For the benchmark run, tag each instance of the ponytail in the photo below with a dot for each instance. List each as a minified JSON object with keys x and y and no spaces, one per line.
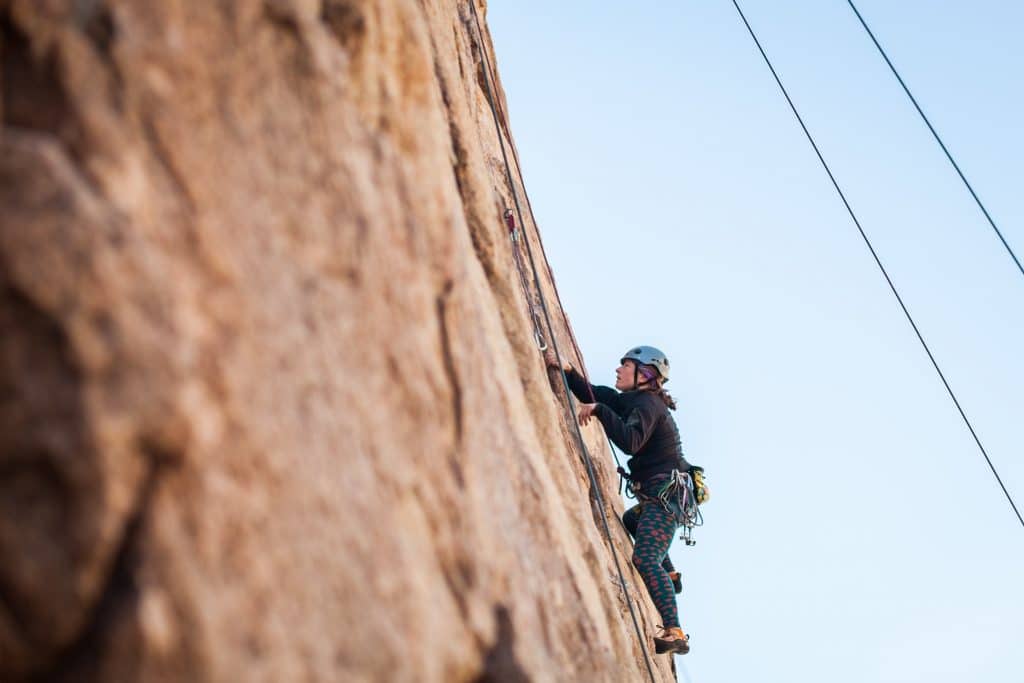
{"x":653,"y":383}
{"x":667,"y":398}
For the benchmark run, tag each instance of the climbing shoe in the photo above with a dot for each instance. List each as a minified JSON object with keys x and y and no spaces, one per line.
{"x":677,"y":581}
{"x":672,"y":640}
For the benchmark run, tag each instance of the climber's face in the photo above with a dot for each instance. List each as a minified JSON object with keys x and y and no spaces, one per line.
{"x":624,"y":375}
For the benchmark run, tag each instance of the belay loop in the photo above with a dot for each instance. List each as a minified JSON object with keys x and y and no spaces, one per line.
{"x":513,"y":232}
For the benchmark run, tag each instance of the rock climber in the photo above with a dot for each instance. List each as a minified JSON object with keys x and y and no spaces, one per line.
{"x":635,"y":416}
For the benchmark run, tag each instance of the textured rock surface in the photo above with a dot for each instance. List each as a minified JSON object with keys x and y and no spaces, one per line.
{"x":270,"y":409}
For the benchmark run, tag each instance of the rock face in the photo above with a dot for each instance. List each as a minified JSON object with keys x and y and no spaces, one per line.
{"x":270,"y":404}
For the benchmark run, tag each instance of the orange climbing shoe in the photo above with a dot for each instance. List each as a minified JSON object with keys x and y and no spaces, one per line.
{"x":677,"y":582}
{"x":672,"y":640}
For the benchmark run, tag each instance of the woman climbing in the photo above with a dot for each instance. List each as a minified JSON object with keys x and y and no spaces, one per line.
{"x":637,"y":420}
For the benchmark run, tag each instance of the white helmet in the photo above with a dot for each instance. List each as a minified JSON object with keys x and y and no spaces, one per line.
{"x":648,"y":355}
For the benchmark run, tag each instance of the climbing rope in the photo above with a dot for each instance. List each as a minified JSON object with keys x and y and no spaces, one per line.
{"x":554,"y":284}
{"x":588,"y":462}
{"x":558,"y":297}
{"x":938,"y":139}
{"x":513,"y":231}
{"x":878,"y":261}
{"x":510,"y":222}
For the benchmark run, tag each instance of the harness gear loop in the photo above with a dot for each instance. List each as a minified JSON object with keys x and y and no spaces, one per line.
{"x":679,"y":497}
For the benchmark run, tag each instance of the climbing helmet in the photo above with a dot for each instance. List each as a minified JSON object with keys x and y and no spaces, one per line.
{"x":648,"y":355}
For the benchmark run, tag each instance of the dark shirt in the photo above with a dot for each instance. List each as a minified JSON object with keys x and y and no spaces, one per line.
{"x":638,"y":422}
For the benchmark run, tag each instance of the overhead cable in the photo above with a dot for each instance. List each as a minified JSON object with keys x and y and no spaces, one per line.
{"x":938,"y":139}
{"x":878,"y":261}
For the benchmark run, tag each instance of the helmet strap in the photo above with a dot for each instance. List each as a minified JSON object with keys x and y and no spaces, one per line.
{"x":648,"y":381}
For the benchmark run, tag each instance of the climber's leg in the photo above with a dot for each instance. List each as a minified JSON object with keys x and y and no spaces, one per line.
{"x":655,"y":529}
{"x":631,"y":519}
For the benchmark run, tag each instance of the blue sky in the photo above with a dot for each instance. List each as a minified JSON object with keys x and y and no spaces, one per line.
{"x":855,"y":532}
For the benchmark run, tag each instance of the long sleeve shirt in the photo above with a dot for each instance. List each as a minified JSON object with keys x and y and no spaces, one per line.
{"x":638,"y":423}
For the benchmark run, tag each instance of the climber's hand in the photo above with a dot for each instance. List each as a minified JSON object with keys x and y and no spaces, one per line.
{"x":551,"y":358}
{"x":587,"y":412}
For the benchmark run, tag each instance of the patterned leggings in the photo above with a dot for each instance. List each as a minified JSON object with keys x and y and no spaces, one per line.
{"x":631,"y":518}
{"x":653,"y":528}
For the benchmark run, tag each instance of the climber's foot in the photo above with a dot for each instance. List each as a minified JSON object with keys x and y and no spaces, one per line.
{"x":672,"y":640}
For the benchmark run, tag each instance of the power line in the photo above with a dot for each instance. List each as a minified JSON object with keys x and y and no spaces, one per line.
{"x":938,"y":139}
{"x":588,"y":462}
{"x":871,"y":248}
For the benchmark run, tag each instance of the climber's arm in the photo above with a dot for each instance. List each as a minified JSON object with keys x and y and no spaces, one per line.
{"x":629,"y":434}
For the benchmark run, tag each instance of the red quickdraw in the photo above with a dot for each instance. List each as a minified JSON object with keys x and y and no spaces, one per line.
{"x":510,"y":220}
{"x":538,"y":336}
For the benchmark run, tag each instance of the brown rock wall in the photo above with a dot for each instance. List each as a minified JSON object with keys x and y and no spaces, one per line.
{"x":270,"y":406}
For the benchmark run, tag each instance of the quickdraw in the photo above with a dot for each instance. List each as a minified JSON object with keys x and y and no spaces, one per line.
{"x":692,"y":499}
{"x":510,"y":222}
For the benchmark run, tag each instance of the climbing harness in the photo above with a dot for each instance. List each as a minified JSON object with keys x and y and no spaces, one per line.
{"x":878,"y":261}
{"x":513,"y":231}
{"x":585,"y":454}
{"x":680,"y":495}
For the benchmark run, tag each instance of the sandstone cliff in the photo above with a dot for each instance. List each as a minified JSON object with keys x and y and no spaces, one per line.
{"x":270,"y":405}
